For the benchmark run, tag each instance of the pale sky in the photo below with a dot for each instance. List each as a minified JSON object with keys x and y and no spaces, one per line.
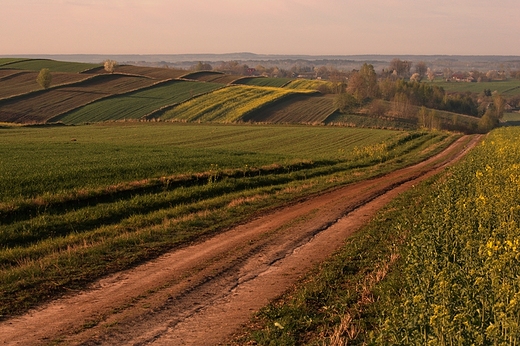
{"x":314,"y":27}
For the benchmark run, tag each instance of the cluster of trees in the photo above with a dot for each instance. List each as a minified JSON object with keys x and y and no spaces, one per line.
{"x":234,"y":67}
{"x":364,"y":86}
{"x":368,"y":91}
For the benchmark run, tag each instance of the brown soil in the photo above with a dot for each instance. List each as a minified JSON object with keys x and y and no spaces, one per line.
{"x":205,"y":292}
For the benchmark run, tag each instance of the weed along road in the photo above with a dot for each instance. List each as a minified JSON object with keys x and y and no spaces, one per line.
{"x":204,"y":293}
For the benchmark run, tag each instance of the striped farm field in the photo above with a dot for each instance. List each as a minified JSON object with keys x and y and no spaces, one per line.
{"x":226,"y":105}
{"x":225,"y":79}
{"x":151,"y":72}
{"x":16,"y":82}
{"x":211,"y":76}
{"x":308,"y":84}
{"x":52,"y":65}
{"x":297,"y":108}
{"x":39,"y":107}
{"x":137,"y":104}
{"x":263,"y":81}
{"x":37,"y":161}
{"x":204,"y":76}
{"x":9,"y":73}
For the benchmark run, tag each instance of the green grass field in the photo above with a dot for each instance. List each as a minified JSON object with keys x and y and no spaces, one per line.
{"x":52,"y":65}
{"x":39,"y":161}
{"x":511,"y":119}
{"x":505,"y":88}
{"x":137,"y":104}
{"x":79,"y":202}
{"x":264,"y":81}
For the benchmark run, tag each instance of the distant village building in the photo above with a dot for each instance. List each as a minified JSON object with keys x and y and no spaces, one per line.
{"x":461,"y":77}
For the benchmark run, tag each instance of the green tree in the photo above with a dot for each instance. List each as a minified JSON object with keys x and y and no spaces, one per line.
{"x":499,"y":104}
{"x":421,"y":68}
{"x":44,"y":78}
{"x":488,"y":121}
{"x":345,"y":102}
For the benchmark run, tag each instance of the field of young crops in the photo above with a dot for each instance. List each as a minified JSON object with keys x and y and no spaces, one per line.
{"x":211,"y":76}
{"x":41,"y":106}
{"x":15,"y":82}
{"x":303,"y":109}
{"x":52,"y":65}
{"x":137,"y":104}
{"x":364,"y":121}
{"x":151,"y":72}
{"x":308,"y":84}
{"x":79,"y":202}
{"x":4,"y":61}
{"x":225,"y":105}
{"x":226,"y":79}
{"x":264,"y":81}
{"x":203,"y":76}
{"x":505,"y":88}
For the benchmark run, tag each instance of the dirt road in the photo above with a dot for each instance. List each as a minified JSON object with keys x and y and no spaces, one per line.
{"x":202,"y":294}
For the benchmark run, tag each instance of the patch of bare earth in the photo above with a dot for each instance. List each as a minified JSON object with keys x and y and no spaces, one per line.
{"x":203,"y":293}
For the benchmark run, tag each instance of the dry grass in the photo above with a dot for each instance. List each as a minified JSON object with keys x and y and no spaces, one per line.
{"x":348,"y":330}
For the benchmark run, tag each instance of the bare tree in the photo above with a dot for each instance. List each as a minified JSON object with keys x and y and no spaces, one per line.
{"x":401,"y":67}
{"x":447,"y":73}
{"x":431,"y":75}
{"x":110,"y":65}
{"x":416,"y":77}
{"x":492,"y":74}
{"x":421,"y":68}
{"x":200,"y":66}
{"x":363,"y":84}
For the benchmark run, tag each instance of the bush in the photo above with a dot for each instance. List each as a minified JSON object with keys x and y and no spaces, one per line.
{"x":44,"y":78}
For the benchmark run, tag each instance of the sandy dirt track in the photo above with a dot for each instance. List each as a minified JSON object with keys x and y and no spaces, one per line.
{"x":203,"y":293}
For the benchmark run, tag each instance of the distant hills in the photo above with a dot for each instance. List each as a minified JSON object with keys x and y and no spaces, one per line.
{"x":454,"y":62}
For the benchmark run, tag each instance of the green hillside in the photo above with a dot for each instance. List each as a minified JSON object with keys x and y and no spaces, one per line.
{"x":137,"y":104}
{"x":52,"y":65}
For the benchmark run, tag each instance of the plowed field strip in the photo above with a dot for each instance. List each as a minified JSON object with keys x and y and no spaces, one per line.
{"x":201,"y":294}
{"x":41,"y":106}
{"x":23,"y":82}
{"x":296,"y":109}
